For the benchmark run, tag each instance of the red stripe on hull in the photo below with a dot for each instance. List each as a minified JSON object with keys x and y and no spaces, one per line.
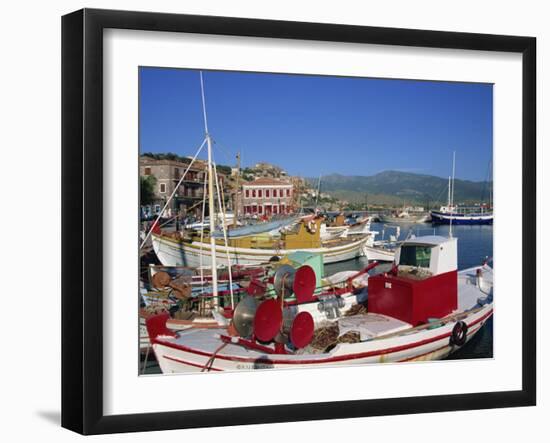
{"x":196,"y":365}
{"x":321,"y":361}
{"x":435,"y":350}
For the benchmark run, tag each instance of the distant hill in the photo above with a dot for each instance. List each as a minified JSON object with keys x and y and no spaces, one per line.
{"x":395,"y":187}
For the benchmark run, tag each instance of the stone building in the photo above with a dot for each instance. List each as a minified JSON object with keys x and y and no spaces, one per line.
{"x":267,"y":196}
{"x":168,"y":173}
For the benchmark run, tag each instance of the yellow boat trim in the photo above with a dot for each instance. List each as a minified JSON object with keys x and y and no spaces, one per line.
{"x":233,"y":250}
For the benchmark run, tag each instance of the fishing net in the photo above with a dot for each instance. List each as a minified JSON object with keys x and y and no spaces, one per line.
{"x":325,"y":338}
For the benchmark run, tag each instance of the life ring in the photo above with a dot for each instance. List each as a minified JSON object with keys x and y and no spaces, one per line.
{"x":312,"y":226}
{"x":459,"y":334}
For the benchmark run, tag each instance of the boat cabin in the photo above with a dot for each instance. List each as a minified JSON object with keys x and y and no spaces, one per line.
{"x":423,"y":283}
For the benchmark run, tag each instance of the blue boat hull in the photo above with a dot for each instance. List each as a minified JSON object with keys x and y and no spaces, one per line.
{"x":461,"y":219}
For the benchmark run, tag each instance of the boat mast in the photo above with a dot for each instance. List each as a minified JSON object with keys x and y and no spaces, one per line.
{"x":318,"y":191}
{"x":237,"y":185}
{"x":449,"y":193}
{"x":211,"y":207}
{"x":452,"y":197}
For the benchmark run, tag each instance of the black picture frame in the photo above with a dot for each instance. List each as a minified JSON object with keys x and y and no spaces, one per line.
{"x":82,"y":159}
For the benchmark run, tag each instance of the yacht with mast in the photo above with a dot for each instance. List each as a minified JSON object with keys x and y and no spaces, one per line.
{"x":452,"y":214}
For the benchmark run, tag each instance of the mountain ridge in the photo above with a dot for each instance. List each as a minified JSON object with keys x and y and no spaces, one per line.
{"x":406,"y":187}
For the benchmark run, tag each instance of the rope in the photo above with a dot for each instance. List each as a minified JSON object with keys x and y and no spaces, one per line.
{"x":210,"y":361}
{"x":202,"y":227}
{"x":145,"y":361}
{"x":222,"y":209}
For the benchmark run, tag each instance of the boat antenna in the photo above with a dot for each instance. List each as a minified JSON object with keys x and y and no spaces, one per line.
{"x":211,"y":206}
{"x":452,"y":197}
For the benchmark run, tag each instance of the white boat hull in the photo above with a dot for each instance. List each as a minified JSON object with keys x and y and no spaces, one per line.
{"x":378,"y":254}
{"x":431,"y":344}
{"x":173,"y":253}
{"x":410,"y":219}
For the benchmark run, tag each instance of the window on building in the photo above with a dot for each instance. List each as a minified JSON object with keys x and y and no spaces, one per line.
{"x":259,"y":193}
{"x":253,"y":193}
{"x":261,"y":209}
{"x":162,"y":188}
{"x":177,"y":172}
{"x":157,"y":209}
{"x":280,"y":192}
{"x":247,"y":193}
{"x":147,"y":171}
{"x":288,"y":192}
{"x":267,"y":193}
{"x":275,"y":209}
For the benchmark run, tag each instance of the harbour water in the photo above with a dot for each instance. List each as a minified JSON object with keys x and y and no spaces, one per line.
{"x":475,"y":244}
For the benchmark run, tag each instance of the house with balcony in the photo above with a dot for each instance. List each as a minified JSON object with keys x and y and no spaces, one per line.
{"x":168,"y":173}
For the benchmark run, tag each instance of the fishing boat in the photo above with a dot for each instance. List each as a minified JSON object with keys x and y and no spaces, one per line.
{"x":383,"y":249}
{"x":405,"y":216}
{"x":190,"y":250}
{"x":423,"y":309}
{"x":340,"y":229}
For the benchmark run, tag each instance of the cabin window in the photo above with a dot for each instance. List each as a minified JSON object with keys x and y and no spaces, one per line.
{"x":414,"y":255}
{"x":162,"y":188}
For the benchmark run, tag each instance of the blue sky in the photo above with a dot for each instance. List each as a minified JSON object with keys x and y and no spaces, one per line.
{"x":312,"y":125}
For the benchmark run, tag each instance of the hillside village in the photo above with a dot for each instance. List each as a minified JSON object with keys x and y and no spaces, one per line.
{"x":265,"y":189}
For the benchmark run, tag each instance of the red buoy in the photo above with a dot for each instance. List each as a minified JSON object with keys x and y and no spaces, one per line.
{"x":301,"y":331}
{"x":304,"y":284}
{"x":268,"y":320}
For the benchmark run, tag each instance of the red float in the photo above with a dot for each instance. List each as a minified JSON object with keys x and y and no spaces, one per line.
{"x":268,"y":320}
{"x":301,"y":331}
{"x":304,"y":284}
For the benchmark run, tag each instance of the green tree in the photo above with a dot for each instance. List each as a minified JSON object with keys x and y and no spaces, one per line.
{"x":147,"y":189}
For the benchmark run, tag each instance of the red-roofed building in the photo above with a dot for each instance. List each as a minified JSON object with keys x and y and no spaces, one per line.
{"x":267,"y":196}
